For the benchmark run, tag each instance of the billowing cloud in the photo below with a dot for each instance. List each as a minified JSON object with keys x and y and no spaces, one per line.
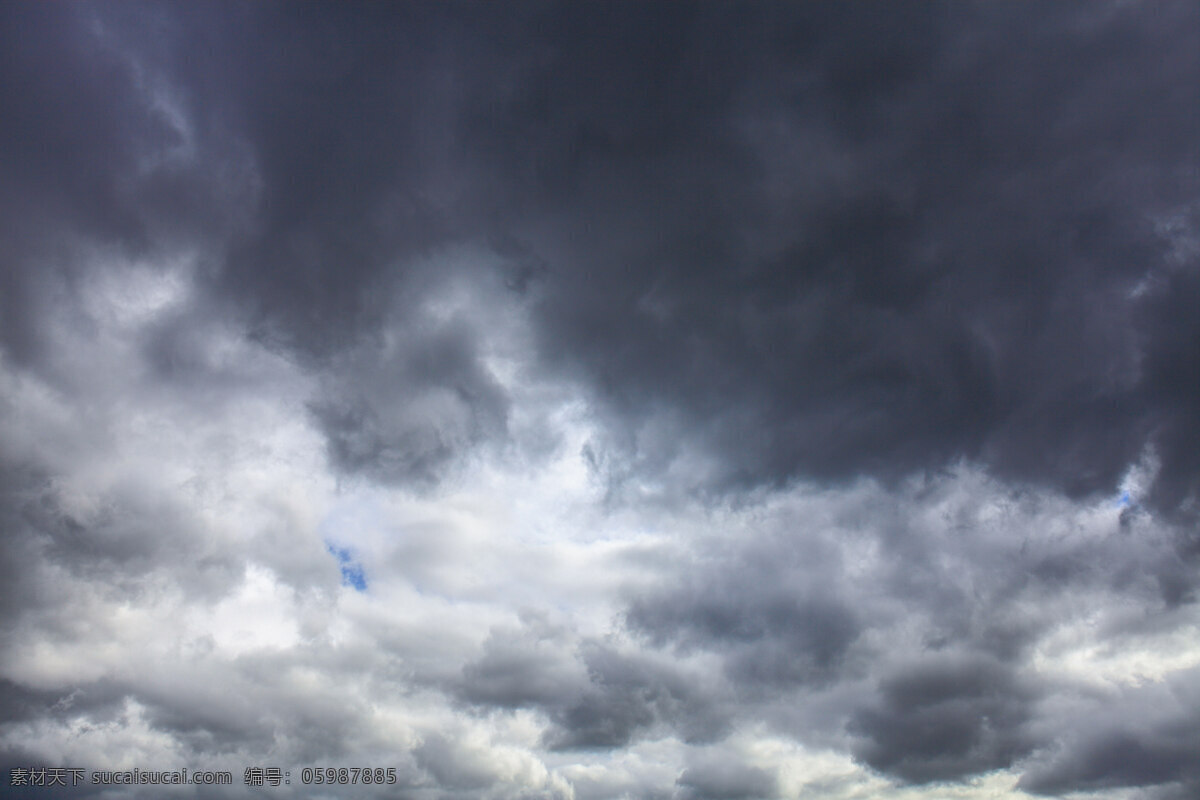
{"x":591,"y":401}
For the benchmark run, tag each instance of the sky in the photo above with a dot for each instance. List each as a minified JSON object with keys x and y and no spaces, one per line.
{"x":600,"y":401}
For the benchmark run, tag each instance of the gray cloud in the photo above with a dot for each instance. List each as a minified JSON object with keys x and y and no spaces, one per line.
{"x":721,"y":400}
{"x":891,"y":245}
{"x":724,"y":780}
{"x":965,"y":297}
{"x":594,"y":696}
{"x":1142,"y":737}
{"x":928,"y":665}
{"x":947,"y":719}
{"x":772,"y":630}
{"x":448,"y":402}
{"x":629,"y":695}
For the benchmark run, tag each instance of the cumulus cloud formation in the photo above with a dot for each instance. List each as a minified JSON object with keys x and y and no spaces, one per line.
{"x":592,"y":400}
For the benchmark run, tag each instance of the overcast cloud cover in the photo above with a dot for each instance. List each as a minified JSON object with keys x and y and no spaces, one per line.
{"x":603,"y":400}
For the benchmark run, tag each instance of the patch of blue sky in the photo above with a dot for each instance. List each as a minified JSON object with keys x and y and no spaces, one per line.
{"x":352,"y":571}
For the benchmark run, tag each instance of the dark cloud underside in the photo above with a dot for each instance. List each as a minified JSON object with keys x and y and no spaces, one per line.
{"x":823,"y":241}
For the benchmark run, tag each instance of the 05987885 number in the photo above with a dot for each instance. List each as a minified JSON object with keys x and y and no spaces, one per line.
{"x":347,"y":775}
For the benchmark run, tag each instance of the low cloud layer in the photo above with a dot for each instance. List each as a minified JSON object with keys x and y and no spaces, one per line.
{"x":588,"y":401}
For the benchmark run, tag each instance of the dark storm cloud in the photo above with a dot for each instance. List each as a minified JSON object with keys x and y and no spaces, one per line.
{"x":945,"y":720}
{"x":338,"y":109}
{"x":100,"y":700}
{"x":88,"y":162}
{"x":62,"y":149}
{"x":294,"y":152}
{"x":18,"y":486}
{"x":1172,"y":368}
{"x":529,"y":666}
{"x":630,"y":695}
{"x":957,"y":286}
{"x":401,"y":413}
{"x":1145,"y":737}
{"x":940,"y":259}
{"x":911,"y":621}
{"x":594,"y":696}
{"x":788,"y":241}
{"x":775,"y":630}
